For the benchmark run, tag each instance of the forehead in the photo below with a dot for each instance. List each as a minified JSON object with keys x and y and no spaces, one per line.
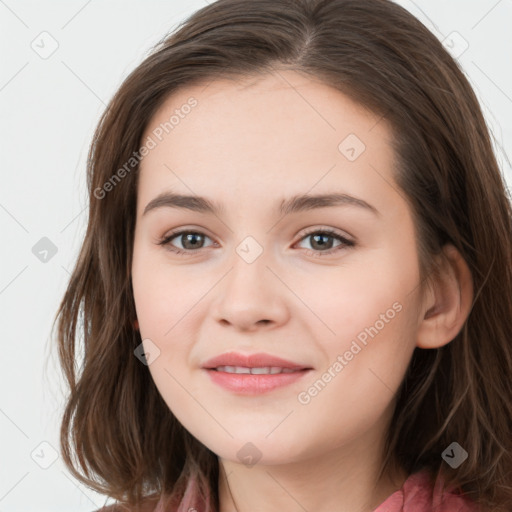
{"x":283,"y":128}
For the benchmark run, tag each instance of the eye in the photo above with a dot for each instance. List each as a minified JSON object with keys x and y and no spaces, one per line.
{"x":190,"y":241}
{"x":322,"y":242}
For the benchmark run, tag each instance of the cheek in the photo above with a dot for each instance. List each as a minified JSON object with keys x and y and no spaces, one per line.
{"x":369,"y":316}
{"x":164,"y":304}
{"x":367,"y":294}
{"x":162,"y":293}
{"x":168,"y":301}
{"x":365,"y":362}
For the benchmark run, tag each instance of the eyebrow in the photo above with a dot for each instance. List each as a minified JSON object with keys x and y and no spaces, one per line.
{"x":295,"y":204}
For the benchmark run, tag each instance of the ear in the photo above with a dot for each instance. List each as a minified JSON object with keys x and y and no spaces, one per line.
{"x":447,"y":303}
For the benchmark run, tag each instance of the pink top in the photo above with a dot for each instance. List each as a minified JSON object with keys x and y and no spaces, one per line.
{"x":415,"y":495}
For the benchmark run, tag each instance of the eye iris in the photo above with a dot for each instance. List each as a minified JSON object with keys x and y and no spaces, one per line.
{"x":320,"y":244}
{"x":191,"y":237}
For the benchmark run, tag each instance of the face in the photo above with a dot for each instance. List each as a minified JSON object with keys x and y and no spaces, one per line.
{"x":330,"y":285}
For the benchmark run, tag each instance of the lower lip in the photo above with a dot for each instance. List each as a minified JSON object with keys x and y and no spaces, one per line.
{"x":250,"y":384}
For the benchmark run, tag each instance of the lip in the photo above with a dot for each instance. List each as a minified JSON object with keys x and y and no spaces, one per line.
{"x":259,"y":360}
{"x":249,"y":384}
{"x":253,"y":384}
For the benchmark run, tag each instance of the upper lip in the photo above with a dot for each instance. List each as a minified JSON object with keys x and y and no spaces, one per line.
{"x":259,"y":360}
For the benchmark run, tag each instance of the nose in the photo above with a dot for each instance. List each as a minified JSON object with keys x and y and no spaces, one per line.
{"x":251,"y":297}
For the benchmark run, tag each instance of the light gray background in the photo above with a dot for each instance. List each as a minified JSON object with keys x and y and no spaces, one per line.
{"x":49,"y":108}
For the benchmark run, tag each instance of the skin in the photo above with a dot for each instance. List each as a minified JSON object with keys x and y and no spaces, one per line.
{"x":249,"y":144}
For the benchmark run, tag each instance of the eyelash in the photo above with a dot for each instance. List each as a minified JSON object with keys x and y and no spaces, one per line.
{"x":345,"y":243}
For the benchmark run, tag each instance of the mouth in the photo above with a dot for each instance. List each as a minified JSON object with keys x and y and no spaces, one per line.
{"x":265,"y":370}
{"x":252,"y":374}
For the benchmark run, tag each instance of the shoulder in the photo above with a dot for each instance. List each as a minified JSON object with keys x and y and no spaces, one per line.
{"x":420,"y":494}
{"x":423,"y":490}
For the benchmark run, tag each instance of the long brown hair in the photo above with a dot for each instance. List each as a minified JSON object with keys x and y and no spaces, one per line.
{"x":118,"y":436}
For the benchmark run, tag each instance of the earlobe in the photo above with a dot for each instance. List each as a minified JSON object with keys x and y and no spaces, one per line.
{"x":449,"y":301}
